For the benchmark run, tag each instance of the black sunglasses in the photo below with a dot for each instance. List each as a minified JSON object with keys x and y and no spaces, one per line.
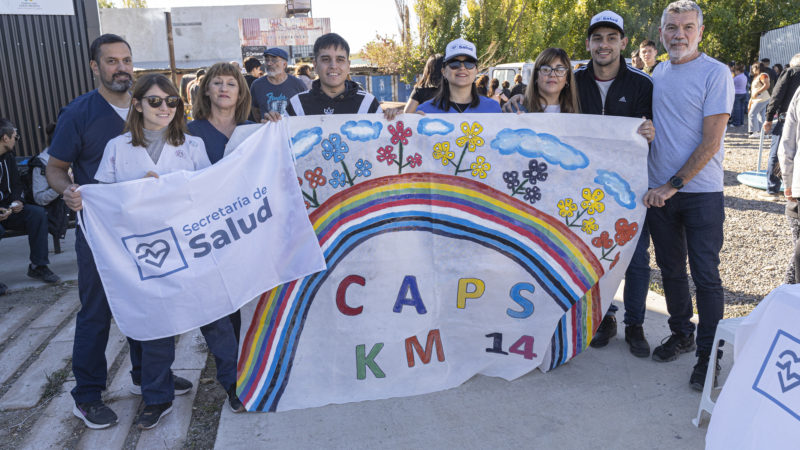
{"x":154,"y":101}
{"x":455,"y":64}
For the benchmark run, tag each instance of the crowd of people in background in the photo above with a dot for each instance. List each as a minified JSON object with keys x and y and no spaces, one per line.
{"x":123,"y":131}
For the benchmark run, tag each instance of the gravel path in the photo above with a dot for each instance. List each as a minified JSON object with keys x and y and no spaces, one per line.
{"x":757,"y":238}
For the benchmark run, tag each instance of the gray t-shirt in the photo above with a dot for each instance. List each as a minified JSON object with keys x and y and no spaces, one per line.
{"x":683,"y":95}
{"x":274,"y":97}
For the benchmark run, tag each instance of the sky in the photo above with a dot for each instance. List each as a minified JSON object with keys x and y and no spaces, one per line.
{"x":358,"y":21}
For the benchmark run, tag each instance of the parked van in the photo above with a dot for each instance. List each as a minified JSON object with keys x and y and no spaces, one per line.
{"x":507,"y":72}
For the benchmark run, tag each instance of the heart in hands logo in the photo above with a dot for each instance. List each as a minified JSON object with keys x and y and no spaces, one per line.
{"x":154,"y":253}
{"x":157,"y":254}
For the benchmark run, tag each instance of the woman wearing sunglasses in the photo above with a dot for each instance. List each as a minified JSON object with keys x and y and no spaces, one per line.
{"x":153,"y":143}
{"x":457,"y":93}
{"x":223,"y":106}
{"x":552,"y":86}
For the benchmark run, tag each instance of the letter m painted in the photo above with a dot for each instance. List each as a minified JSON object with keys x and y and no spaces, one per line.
{"x":425,"y":356}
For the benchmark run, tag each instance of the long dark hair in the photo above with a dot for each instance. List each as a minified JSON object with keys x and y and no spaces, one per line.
{"x":442,"y":98}
{"x":432,"y":75}
{"x":176,"y":130}
{"x":568,"y":98}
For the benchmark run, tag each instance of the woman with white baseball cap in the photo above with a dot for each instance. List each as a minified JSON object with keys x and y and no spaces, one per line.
{"x":457,"y":93}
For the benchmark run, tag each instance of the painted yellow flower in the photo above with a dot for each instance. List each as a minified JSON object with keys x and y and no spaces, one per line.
{"x":566,"y":207}
{"x":470,"y":135}
{"x":442,"y":151}
{"x":592,"y":201}
{"x":480,"y":167}
{"x":589,"y":226}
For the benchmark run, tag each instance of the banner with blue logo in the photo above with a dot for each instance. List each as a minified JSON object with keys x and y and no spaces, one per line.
{"x":183,"y":250}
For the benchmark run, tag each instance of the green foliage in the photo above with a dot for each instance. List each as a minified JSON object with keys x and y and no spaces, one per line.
{"x":105,"y":3}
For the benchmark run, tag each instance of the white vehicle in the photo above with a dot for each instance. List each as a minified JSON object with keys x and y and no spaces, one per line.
{"x":508,"y":71}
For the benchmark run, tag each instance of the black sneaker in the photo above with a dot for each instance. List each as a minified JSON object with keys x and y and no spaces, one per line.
{"x":152,"y":414}
{"x":182,"y":386}
{"x":233,"y":400}
{"x":43,"y":273}
{"x":606,"y":330}
{"x":3,"y":289}
{"x":634,"y":336}
{"x":673,"y":346}
{"x":698,"y":378}
{"x":96,"y":415}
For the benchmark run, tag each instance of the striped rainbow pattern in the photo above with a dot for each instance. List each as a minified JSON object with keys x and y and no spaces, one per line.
{"x":446,"y":205}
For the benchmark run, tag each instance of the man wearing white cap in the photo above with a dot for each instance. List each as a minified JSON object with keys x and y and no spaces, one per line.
{"x":608,"y":86}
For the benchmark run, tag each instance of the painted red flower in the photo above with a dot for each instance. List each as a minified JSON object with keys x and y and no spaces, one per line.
{"x":315,"y":178}
{"x":308,"y":205}
{"x":415,"y":160}
{"x":300,"y":180}
{"x":603,"y":241}
{"x":625,"y":231}
{"x":400,"y":134}
{"x":386,"y":154}
{"x":614,"y":263}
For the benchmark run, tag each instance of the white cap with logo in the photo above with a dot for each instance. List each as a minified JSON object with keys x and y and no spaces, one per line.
{"x":606,"y":19}
{"x":460,"y":47}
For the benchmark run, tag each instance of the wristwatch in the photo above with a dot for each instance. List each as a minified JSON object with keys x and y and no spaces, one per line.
{"x":676,"y":182}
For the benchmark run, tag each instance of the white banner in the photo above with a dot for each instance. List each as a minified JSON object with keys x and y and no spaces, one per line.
{"x":183,"y":250}
{"x":37,"y":7}
{"x":759,"y":406}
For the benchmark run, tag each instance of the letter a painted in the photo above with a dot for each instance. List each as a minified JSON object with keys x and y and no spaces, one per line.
{"x":362,"y":361}
{"x":409,"y":286}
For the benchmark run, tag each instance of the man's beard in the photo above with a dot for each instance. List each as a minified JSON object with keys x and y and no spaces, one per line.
{"x":120,"y":85}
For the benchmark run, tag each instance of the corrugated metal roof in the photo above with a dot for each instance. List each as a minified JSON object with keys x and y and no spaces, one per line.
{"x":43,"y":66}
{"x":780,"y":44}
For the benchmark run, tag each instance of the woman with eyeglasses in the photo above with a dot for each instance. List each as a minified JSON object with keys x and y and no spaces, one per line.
{"x":457,"y":93}
{"x":552,"y":87}
{"x":153,"y":143}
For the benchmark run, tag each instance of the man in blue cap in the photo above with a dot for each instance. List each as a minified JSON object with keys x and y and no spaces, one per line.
{"x":272,"y":92}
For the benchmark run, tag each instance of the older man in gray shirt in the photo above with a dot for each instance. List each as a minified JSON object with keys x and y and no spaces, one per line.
{"x":692,"y":99}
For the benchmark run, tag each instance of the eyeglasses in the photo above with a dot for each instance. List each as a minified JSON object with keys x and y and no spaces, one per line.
{"x":455,"y":64}
{"x":560,"y":71}
{"x":154,"y":101}
{"x":16,"y":135}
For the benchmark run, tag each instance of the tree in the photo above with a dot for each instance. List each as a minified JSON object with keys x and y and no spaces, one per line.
{"x":124,"y":3}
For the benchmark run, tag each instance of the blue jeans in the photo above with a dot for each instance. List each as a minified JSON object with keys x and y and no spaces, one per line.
{"x":739,"y":109}
{"x":92,"y":326}
{"x":757,"y":115}
{"x":223,"y":344}
{"x":637,"y":282}
{"x":690,"y":224}
{"x":773,"y":182}
{"x":32,"y":220}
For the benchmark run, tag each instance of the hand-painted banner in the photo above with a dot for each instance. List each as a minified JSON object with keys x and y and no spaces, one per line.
{"x":183,"y":250}
{"x":455,"y":245}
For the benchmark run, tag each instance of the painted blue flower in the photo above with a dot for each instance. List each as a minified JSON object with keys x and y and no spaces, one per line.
{"x":337,"y":179}
{"x":533,"y":194}
{"x":362,"y":168}
{"x":334,"y":147}
{"x":512,"y":179}
{"x":536,"y":171}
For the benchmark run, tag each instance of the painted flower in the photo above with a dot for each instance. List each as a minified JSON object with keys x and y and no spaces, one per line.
{"x":532,"y":194}
{"x":334,"y":147}
{"x":315,"y":178}
{"x":362,"y":168}
{"x":589,"y":226}
{"x":625,"y":231}
{"x":614,"y":263}
{"x":566,"y":207}
{"x":603,"y":241}
{"x":592,"y":201}
{"x":338,"y":179}
{"x":512,"y":179}
{"x":386,"y":154}
{"x":536,"y":171}
{"x":400,"y":134}
{"x":415,"y":160}
{"x":480,"y":167}
{"x":470,"y":136}
{"x":308,"y":205}
{"x":442,"y":151}
{"x":300,"y":180}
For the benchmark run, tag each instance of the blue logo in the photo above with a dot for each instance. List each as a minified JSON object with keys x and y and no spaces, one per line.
{"x":780,"y":374}
{"x":156,"y":254}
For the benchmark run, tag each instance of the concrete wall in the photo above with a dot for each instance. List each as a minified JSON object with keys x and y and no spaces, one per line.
{"x":202,"y":35}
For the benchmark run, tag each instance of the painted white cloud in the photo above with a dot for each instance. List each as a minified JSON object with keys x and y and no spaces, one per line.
{"x":539,"y":145}
{"x":305,"y":140}
{"x":429,"y":127}
{"x":363,"y":130}
{"x":615,"y":185}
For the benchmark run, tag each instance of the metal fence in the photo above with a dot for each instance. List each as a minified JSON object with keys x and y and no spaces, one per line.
{"x":780,"y":44}
{"x":44,"y":64}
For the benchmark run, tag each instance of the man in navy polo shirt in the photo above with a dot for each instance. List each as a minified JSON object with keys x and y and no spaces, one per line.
{"x":84,"y":128}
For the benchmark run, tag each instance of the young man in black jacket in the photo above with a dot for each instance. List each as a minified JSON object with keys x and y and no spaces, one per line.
{"x":332,"y":92}
{"x":17,"y":215}
{"x":787,"y":84}
{"x":608,"y":86}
